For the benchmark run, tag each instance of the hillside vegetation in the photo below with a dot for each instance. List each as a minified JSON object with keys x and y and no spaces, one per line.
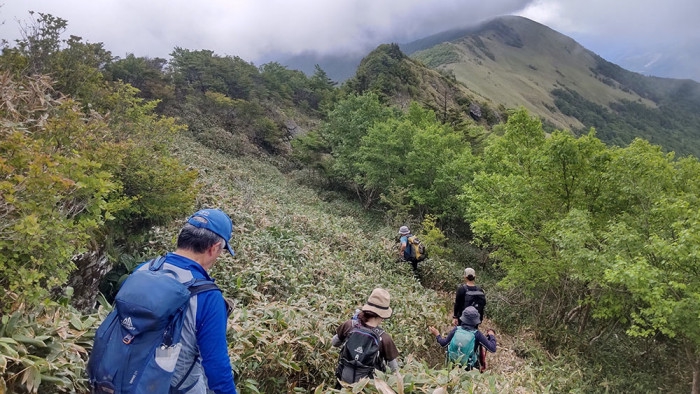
{"x":587,"y":251}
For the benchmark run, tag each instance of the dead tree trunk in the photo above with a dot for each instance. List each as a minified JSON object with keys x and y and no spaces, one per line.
{"x":91,"y":268}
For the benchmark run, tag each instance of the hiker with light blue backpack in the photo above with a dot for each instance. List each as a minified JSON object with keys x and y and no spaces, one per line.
{"x":463,"y":341}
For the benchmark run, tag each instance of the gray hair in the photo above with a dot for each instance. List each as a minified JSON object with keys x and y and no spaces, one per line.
{"x":197,"y":239}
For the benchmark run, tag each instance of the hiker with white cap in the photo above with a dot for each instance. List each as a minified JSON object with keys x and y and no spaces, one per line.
{"x":365,"y":345}
{"x":469,"y":294}
{"x":463,"y":341}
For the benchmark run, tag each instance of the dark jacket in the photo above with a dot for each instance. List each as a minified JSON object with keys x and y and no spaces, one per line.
{"x":469,"y":296}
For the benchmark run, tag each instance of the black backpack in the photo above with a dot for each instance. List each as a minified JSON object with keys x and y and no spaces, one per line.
{"x":475,"y":298}
{"x":359,"y":356}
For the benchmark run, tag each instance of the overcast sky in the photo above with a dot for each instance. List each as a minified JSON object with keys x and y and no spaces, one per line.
{"x":252,"y":29}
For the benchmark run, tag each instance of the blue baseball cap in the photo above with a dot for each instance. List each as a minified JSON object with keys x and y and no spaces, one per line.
{"x":216,"y":221}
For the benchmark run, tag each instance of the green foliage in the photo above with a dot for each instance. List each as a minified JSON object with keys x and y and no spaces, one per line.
{"x":203,"y":71}
{"x":385,"y":71}
{"x":74,"y":65}
{"x":627,"y":120}
{"x":432,"y":235}
{"x":403,"y":160}
{"x":44,"y":349}
{"x":268,"y":134}
{"x":41,"y":41}
{"x":70,"y":173}
{"x":145,"y":74}
{"x":606,"y":232}
{"x":348,"y":122}
{"x":438,"y":55}
{"x":159,"y":186}
{"x":438,"y":163}
{"x":293,"y":85}
{"x":51,"y":164}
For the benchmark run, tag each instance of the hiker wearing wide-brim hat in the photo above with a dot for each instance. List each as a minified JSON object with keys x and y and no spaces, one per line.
{"x":378,"y":303}
{"x":468,"y":321}
{"x":365,"y":345}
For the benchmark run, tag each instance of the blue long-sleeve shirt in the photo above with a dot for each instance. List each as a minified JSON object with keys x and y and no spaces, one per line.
{"x":488,"y":341}
{"x":207,"y":324}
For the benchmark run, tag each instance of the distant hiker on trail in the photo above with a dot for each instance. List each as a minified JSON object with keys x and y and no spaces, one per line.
{"x":365,"y":345}
{"x":411,"y":248}
{"x":468,"y":294}
{"x":167,"y":332}
{"x":464,"y":341}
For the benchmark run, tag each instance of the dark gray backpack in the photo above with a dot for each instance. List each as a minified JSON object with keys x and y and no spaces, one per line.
{"x":360,"y":356}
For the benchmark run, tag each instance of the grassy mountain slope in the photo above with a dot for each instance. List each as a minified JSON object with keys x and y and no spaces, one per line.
{"x":515,"y":61}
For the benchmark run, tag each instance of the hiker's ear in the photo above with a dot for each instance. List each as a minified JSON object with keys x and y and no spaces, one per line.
{"x":218,"y":247}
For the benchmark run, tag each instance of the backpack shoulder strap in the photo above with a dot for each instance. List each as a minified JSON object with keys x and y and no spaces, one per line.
{"x":378,"y":332}
{"x":202,"y":285}
{"x":374,"y":331}
{"x":156,"y":264}
{"x":475,"y":290}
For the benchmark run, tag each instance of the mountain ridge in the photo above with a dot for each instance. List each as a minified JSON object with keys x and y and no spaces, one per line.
{"x":515,"y":61}
{"x":512,"y":61}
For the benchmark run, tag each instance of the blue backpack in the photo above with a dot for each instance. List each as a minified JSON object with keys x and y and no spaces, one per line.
{"x":137,"y":346}
{"x":461,"y":349}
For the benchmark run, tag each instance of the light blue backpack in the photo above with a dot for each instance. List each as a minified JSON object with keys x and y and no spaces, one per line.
{"x":461,"y":349}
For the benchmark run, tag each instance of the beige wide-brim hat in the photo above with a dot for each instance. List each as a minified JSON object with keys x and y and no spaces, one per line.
{"x":378,"y":303}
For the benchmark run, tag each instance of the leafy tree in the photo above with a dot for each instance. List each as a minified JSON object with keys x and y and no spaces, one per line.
{"x":438,"y":163}
{"x":385,"y":71}
{"x":111,"y":178}
{"x":74,"y":65}
{"x":202,"y":71}
{"x":40,"y":42}
{"x":646,"y":249}
{"x":324,"y":87}
{"x":381,"y":158}
{"x":145,"y":74}
{"x":54,"y":182}
{"x":348,"y":122}
{"x":320,"y":81}
{"x":608,"y":233}
{"x":530,"y":186}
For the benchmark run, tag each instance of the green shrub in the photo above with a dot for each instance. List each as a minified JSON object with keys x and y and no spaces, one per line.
{"x":44,"y":349}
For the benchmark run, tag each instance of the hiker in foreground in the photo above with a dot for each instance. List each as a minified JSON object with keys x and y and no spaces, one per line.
{"x":463,"y":341}
{"x":167,"y":332}
{"x":468,"y":294}
{"x":365,"y":346}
